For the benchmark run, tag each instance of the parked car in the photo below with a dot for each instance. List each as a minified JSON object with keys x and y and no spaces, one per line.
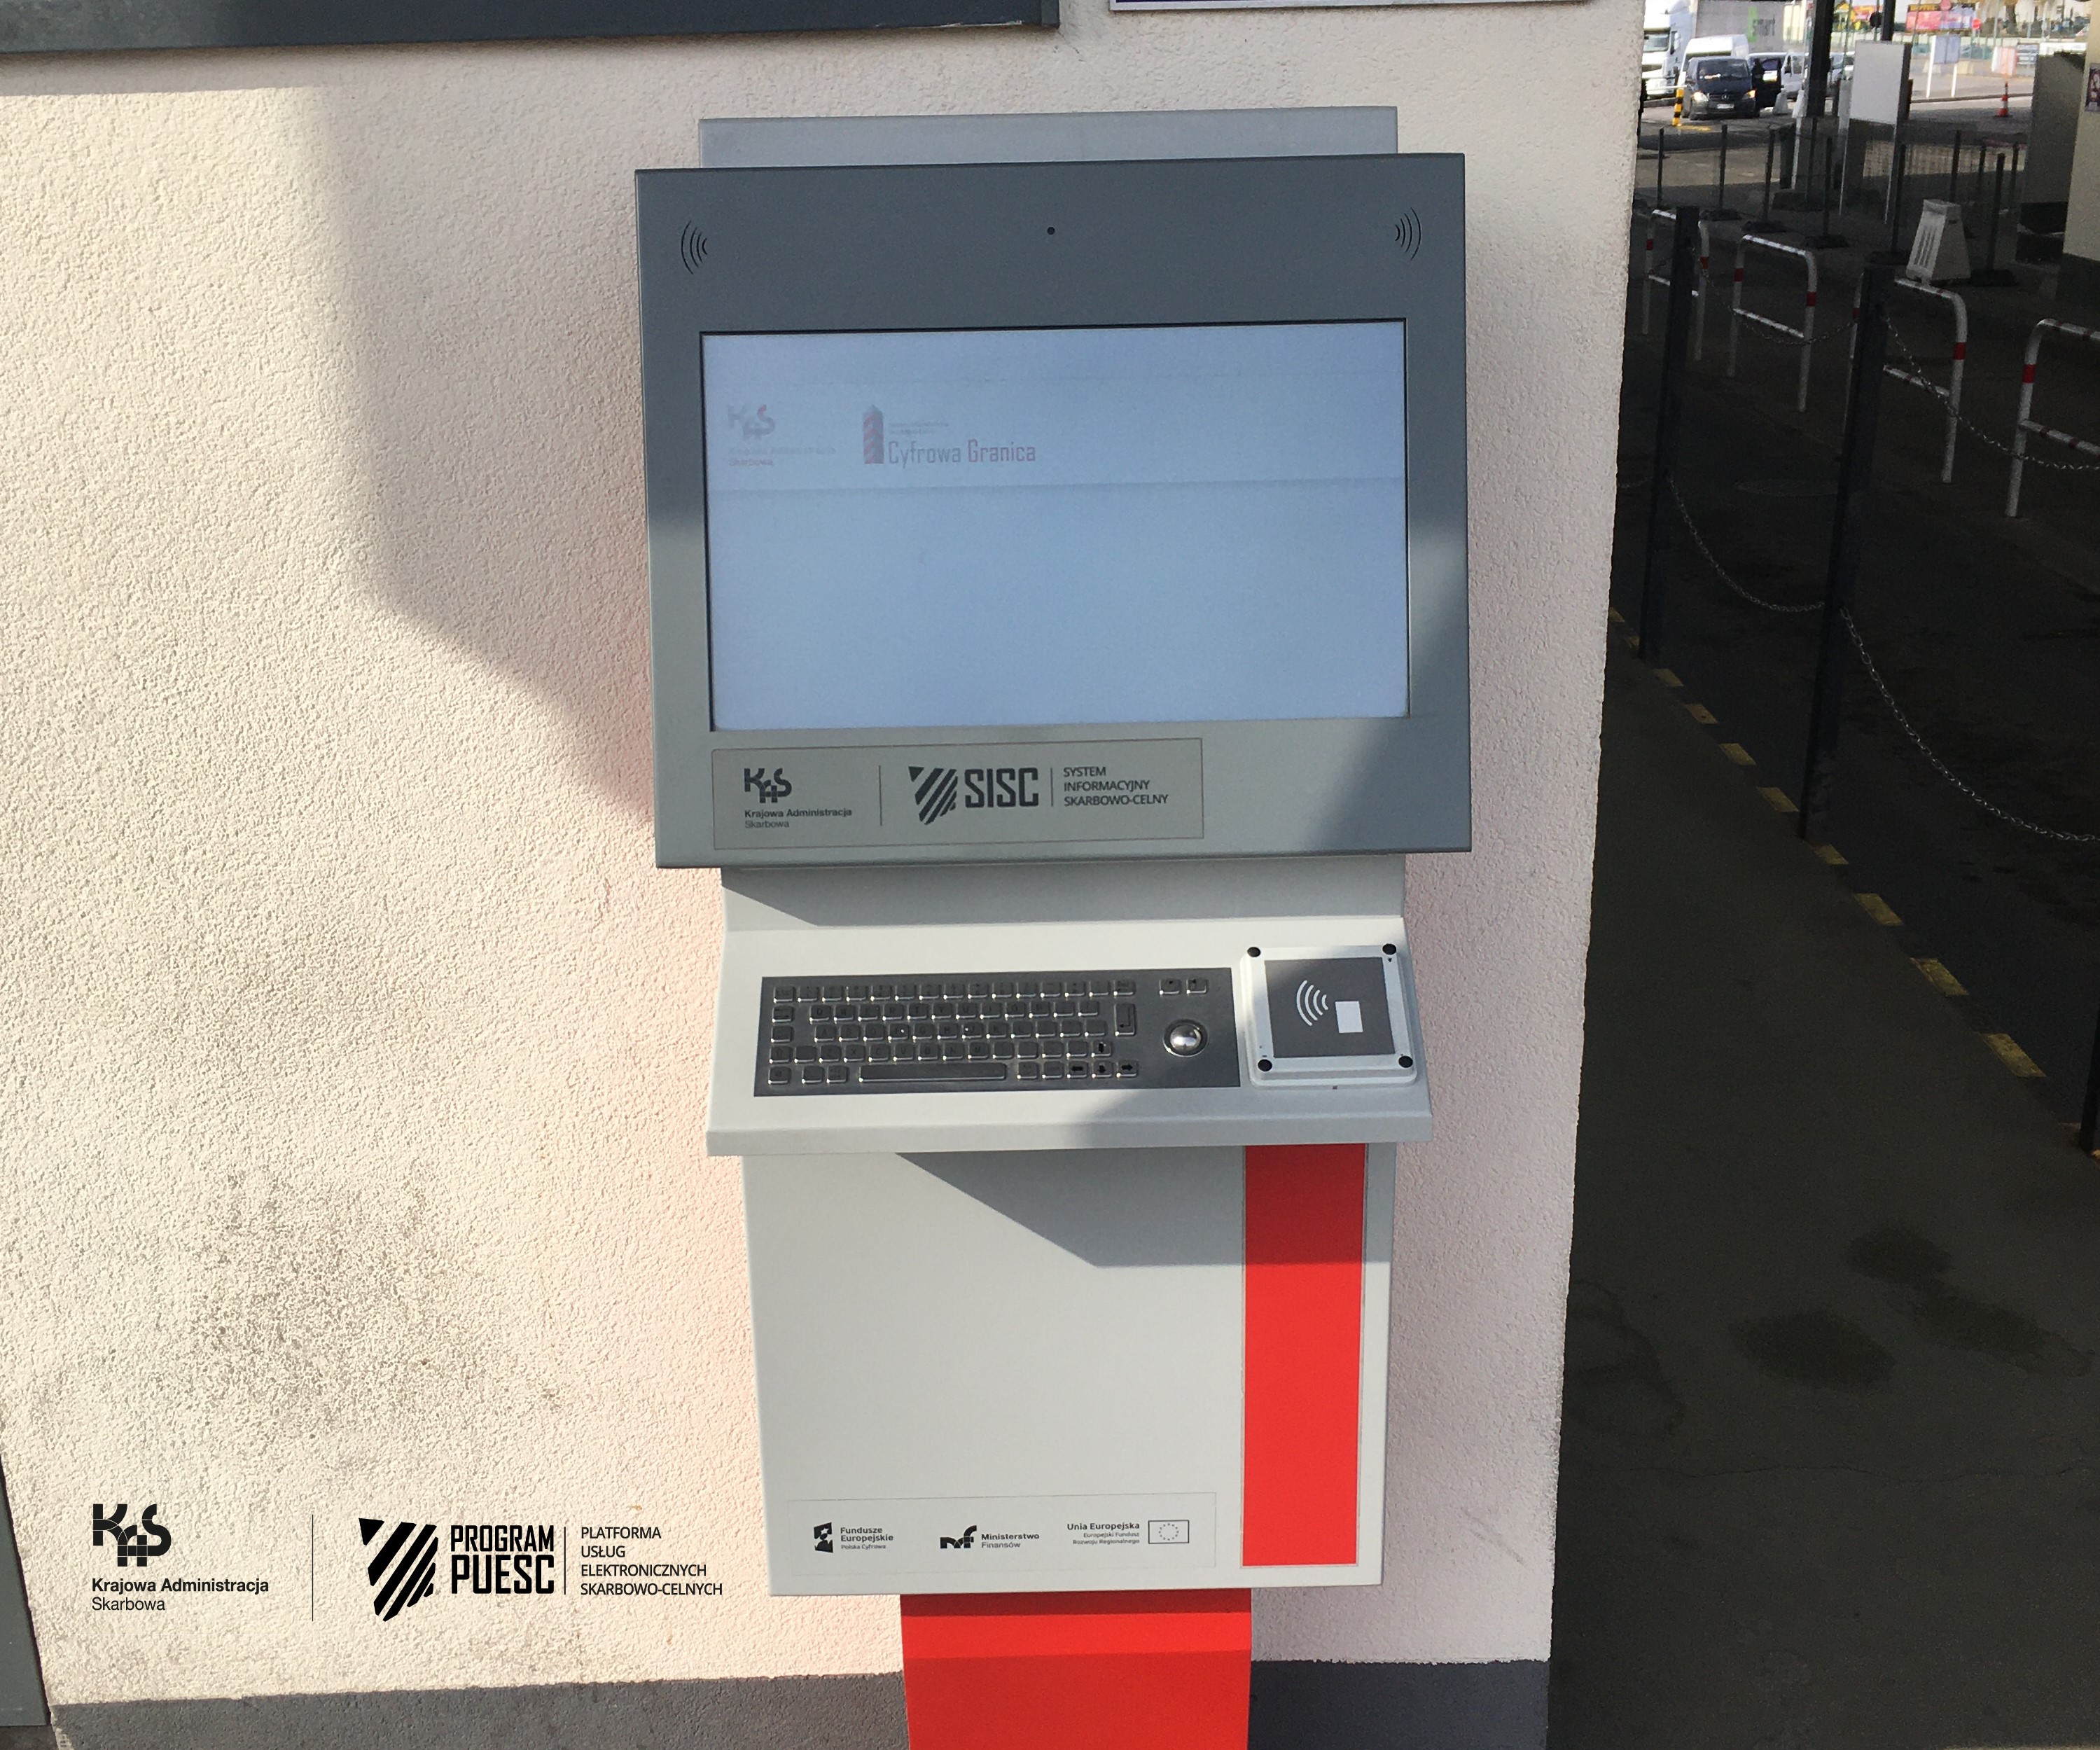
{"x":1717,"y":85}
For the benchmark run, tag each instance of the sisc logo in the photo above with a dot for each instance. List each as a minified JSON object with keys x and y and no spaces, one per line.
{"x":770,"y":789}
{"x":404,"y":1570}
{"x":821,"y":1536}
{"x":134,"y":1547}
{"x":933,"y":790}
{"x":871,"y":435}
{"x":753,"y":422}
{"x":967,"y":1541}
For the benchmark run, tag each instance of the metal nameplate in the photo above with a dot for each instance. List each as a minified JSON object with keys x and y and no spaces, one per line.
{"x":978,"y":793}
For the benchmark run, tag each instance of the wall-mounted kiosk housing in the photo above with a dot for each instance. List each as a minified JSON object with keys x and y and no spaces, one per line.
{"x":1059,"y":617}
{"x":1057,"y":511}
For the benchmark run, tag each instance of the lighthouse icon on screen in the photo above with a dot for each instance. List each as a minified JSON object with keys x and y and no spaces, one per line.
{"x":871,"y":435}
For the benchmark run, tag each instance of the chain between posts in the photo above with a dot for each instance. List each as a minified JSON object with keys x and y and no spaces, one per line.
{"x":1873,"y":674}
{"x":1795,"y":340}
{"x":1977,"y":431}
{"x":1939,"y":764}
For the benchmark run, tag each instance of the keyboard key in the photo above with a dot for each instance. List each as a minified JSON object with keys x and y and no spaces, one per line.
{"x":780,"y":1054}
{"x":1198,"y":987}
{"x":778,"y":1074}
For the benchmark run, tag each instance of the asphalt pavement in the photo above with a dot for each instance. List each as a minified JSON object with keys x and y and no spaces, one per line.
{"x":1985,"y":629}
{"x":1831,"y":1474}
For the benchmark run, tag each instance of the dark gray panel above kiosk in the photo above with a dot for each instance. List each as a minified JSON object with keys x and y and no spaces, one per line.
{"x":73,"y":26}
{"x":867,"y":250}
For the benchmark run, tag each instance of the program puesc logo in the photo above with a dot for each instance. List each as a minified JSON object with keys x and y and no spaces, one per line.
{"x":493,"y":1561}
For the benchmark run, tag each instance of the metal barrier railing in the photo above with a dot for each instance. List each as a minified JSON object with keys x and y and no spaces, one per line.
{"x":1737,"y":315}
{"x":1950,"y":397}
{"x":1650,"y":277}
{"x":2025,"y":424}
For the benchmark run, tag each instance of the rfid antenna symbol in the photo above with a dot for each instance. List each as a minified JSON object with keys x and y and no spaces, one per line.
{"x":692,"y":248}
{"x":1313,"y":1004}
{"x":1407,"y":232}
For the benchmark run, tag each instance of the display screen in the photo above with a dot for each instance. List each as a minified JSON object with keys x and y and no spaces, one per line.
{"x":1056,"y":526}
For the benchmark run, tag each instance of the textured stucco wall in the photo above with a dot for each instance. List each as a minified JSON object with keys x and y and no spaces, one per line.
{"x":355,"y":1052}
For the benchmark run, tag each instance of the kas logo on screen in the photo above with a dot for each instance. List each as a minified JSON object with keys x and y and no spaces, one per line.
{"x":753,"y":422}
{"x":771,"y":789}
{"x":134,"y":1546}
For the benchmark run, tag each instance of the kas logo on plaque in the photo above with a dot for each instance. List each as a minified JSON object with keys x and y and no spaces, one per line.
{"x":135,"y":1545}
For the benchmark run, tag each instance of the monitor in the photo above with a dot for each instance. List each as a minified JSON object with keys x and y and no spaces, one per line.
{"x":1064,"y":511}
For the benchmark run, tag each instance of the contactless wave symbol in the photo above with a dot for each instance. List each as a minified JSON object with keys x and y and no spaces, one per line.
{"x":692,"y":248}
{"x":1407,"y":232}
{"x":1313,"y":1004}
{"x":935,"y":791}
{"x":404,"y":1571}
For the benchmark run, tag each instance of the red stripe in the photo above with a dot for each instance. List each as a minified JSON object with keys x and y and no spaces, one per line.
{"x":1056,"y":1671}
{"x":1810,"y":300}
{"x":1305,"y":1339}
{"x":1739,"y":274}
{"x":2026,"y":376}
{"x":1962,"y":349}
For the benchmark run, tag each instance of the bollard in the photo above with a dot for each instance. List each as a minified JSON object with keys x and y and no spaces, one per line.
{"x":1991,"y":273}
{"x":1826,"y":238}
{"x":1669,"y":418}
{"x":1954,"y":171}
{"x":1901,"y":158}
{"x":1661,"y":146}
{"x":1848,"y":536}
{"x":1763,"y":221}
{"x":1721,"y":210}
{"x":2089,"y":1125}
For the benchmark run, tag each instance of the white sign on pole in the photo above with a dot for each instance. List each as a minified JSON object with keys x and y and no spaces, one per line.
{"x":1881,"y":71}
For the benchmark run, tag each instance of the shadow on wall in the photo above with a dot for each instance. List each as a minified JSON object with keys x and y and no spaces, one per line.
{"x":810,"y":1714}
{"x":486,"y":302}
{"x":1295,"y":1705}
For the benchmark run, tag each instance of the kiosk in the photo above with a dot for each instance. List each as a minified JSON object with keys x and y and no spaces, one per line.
{"x":1059,"y":640}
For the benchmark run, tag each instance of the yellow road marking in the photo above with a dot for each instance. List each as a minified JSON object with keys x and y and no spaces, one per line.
{"x":1779,"y":798}
{"x":1738,"y":752}
{"x":1940,"y":979}
{"x":1700,"y":714}
{"x":1617,"y":619}
{"x":1667,"y":678}
{"x":2012,"y":1056}
{"x":1877,"y":908}
{"x":1830,"y":854}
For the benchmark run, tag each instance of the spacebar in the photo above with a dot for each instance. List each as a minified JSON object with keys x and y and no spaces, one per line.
{"x":956,"y":1071}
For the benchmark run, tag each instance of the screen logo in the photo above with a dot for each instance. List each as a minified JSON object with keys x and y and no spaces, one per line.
{"x":754,"y":422}
{"x":871,"y":435}
{"x":934,"y":791}
{"x":773,"y":789}
{"x":821,"y":1537}
{"x":967,"y":1541}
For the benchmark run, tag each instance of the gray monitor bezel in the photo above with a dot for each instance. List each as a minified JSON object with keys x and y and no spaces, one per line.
{"x":1138,"y":243}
